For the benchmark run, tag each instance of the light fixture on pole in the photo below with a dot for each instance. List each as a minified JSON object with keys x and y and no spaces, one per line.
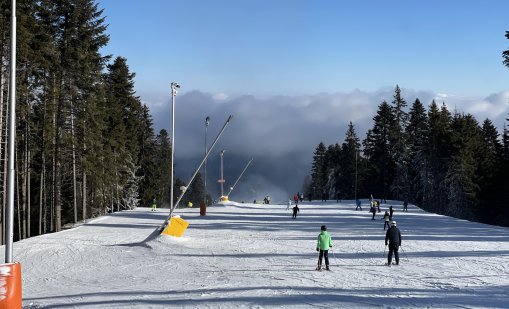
{"x":222,"y":178}
{"x":207,"y":120}
{"x":174,"y":87}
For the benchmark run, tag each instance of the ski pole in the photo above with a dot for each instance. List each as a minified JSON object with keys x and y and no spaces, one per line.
{"x":335,"y":261}
{"x":404,"y":253}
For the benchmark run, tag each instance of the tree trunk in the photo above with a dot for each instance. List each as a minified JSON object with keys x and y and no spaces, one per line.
{"x":57,"y":185}
{"x":84,"y":169}
{"x":75,"y":202}
{"x":84,"y":195}
{"x":3,"y":149}
{"x":28,"y":193}
{"x":41,"y":195}
{"x":53,"y":173}
{"x":17,"y":199}
{"x":23,"y":172}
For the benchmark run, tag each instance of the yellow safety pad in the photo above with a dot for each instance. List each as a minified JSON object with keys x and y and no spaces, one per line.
{"x":176,"y":227}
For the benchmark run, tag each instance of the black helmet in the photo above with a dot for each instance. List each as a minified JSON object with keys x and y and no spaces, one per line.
{"x":324,"y":228}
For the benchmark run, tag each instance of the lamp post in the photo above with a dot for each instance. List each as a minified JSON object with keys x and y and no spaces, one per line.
{"x":356,"y":158}
{"x":222,"y":178}
{"x":174,"y":86}
{"x":9,"y":211}
{"x":207,"y":120}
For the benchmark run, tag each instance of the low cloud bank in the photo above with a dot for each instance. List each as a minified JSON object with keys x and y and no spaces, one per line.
{"x":281,"y":132}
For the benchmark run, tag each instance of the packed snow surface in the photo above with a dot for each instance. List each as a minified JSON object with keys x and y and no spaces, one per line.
{"x":256,"y":256}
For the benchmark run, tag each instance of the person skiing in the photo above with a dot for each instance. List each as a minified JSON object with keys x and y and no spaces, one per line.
{"x":296,"y":198}
{"x":358,"y":205}
{"x":301,"y":197}
{"x":405,"y":206}
{"x":393,"y":239}
{"x":373,"y":210}
{"x":391,"y":211}
{"x":295,"y":211}
{"x":288,"y":204}
{"x":323,"y":244}
{"x":154,"y":205}
{"x":386,"y":220}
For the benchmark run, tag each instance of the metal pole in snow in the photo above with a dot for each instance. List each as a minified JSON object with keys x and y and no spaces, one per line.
{"x":207,"y":120}
{"x":9,"y":219}
{"x":174,"y":87}
{"x":245,"y":168}
{"x":196,"y":172}
{"x":222,"y":178}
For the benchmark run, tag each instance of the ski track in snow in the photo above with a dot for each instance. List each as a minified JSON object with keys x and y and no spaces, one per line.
{"x":257,"y":256}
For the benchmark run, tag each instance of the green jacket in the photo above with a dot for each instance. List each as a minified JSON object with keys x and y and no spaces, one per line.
{"x":324,"y":241}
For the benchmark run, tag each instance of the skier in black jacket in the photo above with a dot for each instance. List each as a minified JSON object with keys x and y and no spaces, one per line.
{"x":393,"y":238}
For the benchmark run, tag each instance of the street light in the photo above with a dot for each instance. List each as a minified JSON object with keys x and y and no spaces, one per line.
{"x":222,"y":178}
{"x":174,"y":86}
{"x":356,"y":158}
{"x":207,"y":120}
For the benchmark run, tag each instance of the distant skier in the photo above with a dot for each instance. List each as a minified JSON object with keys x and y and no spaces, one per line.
{"x":386,"y":220}
{"x":154,"y":205}
{"x":296,"y":198}
{"x":391,"y":211}
{"x":295,"y":211}
{"x":338,"y":197}
{"x":405,"y":206}
{"x":324,"y":196}
{"x":393,"y":238}
{"x":377,"y":203}
{"x":288,"y":204}
{"x":373,"y":210}
{"x":323,"y":244}
{"x":301,"y":197}
{"x":358,"y":202}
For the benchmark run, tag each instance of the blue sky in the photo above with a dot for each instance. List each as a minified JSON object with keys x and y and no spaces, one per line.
{"x":296,"y":47}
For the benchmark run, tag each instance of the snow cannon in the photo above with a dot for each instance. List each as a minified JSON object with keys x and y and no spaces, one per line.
{"x":10,"y":286}
{"x":224,"y":198}
{"x":176,"y":228}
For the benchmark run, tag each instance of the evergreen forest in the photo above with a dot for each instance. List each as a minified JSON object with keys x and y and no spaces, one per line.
{"x":85,"y":144}
{"x":445,"y":162}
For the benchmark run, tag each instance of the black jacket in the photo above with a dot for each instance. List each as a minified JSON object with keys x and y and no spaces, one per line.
{"x":393,"y":236}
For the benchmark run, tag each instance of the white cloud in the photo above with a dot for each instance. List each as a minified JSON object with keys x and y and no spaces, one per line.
{"x":283,"y":131}
{"x":220,"y":96}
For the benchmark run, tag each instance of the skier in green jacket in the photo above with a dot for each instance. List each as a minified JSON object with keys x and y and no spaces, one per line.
{"x":323,"y":245}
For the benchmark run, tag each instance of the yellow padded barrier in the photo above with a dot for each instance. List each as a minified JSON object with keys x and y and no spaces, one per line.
{"x":176,"y":227}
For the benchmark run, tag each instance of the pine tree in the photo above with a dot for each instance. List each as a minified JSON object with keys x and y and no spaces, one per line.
{"x":319,"y":173}
{"x":334,"y":172}
{"x":161,"y":179}
{"x":416,"y":132}
{"x":381,"y":165}
{"x":147,"y":160}
{"x":350,"y":162}
{"x":461,"y":175}
{"x":398,"y":147}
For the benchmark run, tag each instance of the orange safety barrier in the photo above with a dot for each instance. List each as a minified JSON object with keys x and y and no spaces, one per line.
{"x":10,"y":286}
{"x":176,"y":227}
